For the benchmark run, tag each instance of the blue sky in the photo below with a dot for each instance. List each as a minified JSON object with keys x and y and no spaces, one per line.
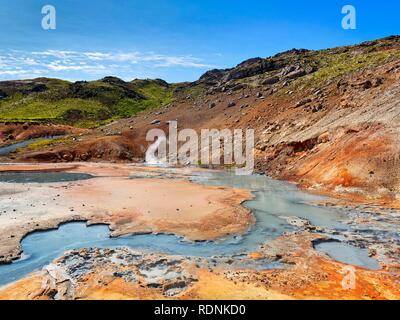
{"x":176,"y":40}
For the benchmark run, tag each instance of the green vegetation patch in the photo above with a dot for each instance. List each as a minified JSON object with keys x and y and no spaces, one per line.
{"x":82,"y":104}
{"x":334,"y":65}
{"x":44,"y":143}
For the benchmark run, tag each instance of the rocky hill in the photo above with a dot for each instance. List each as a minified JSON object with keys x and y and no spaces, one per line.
{"x":328,"y":119}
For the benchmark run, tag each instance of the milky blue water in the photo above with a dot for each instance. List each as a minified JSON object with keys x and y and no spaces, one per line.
{"x":273,"y":201}
{"x":4,"y":151}
{"x":345,"y":252}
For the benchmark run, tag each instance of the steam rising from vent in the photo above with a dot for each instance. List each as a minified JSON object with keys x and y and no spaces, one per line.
{"x":212,"y":143}
{"x":159,"y":158}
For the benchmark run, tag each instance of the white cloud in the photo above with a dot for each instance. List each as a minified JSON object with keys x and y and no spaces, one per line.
{"x":97,"y":55}
{"x":130,"y":57}
{"x":54,"y":53}
{"x":62,"y":66}
{"x":182,"y":62}
{"x":59,"y":63}
{"x":20,"y":72}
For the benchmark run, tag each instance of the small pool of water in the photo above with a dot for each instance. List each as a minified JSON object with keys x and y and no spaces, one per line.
{"x":347,"y":254}
{"x":42,"y":177}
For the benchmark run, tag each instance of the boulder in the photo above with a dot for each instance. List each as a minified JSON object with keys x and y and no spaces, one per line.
{"x":270,"y":81}
{"x":296,"y":74}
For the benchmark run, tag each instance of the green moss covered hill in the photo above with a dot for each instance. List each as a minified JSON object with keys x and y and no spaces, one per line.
{"x":83,"y":104}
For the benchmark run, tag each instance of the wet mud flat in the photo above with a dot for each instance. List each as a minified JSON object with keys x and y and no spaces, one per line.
{"x":334,"y":236}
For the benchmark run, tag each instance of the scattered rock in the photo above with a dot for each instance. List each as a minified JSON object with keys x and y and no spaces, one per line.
{"x":212,"y":105}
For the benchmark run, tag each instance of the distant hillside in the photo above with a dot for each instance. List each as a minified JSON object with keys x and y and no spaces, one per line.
{"x":82,"y":104}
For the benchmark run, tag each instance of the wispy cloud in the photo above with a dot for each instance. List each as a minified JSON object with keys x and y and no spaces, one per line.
{"x":22,"y":64}
{"x":159,"y":59}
